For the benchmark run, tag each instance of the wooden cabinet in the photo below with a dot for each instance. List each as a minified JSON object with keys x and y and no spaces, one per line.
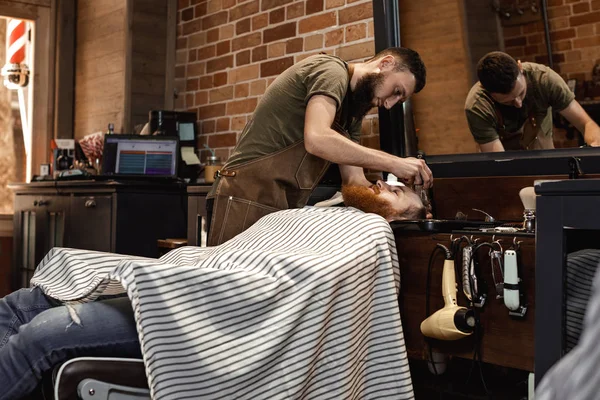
{"x":90,"y":210}
{"x":39,"y":223}
{"x":103,"y":216}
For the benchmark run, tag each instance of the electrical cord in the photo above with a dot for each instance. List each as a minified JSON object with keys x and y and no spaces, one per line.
{"x":448,"y":255}
{"x":453,"y":253}
{"x":477,"y":358}
{"x":477,"y":348}
{"x":476,"y":263}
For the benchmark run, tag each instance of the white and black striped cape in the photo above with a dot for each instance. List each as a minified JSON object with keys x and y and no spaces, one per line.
{"x":577,"y":376}
{"x":302,"y":305}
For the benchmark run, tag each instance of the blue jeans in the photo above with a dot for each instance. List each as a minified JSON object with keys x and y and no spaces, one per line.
{"x":36,"y":335}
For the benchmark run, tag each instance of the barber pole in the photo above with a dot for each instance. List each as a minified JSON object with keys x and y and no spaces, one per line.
{"x":16,"y":72}
{"x":16,"y":76}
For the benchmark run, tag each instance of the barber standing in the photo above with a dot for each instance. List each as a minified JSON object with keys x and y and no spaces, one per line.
{"x":309,"y":117}
{"x":510,"y":108}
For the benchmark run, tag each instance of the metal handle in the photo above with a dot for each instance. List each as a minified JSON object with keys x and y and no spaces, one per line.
{"x":90,"y":203}
{"x":41,"y":203}
{"x":89,"y":389}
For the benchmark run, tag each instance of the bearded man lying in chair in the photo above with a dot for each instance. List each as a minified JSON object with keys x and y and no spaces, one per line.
{"x":301,"y":304}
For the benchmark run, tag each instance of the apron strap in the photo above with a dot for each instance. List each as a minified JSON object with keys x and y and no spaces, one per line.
{"x":518,"y":139}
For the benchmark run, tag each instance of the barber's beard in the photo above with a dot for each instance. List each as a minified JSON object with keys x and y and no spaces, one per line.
{"x":361,"y":99}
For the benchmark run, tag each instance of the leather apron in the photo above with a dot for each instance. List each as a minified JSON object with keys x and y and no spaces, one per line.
{"x":248,"y":191}
{"x":276,"y":181}
{"x":528,"y":137}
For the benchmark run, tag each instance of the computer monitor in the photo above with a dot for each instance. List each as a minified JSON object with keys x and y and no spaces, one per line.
{"x":140,"y":156}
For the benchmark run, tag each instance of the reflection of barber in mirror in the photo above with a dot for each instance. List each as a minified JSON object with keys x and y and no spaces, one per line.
{"x":510,"y":108}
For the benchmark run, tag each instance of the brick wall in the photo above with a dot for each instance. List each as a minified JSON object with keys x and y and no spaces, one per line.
{"x":574,"y":34}
{"x":229,"y":51}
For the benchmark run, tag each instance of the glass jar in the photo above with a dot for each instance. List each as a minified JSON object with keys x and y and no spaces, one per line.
{"x":213,"y":164}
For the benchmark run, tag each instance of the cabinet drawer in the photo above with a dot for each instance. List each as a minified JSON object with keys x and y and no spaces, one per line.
{"x":39,"y":226}
{"x":90,"y":223}
{"x":40,"y":203}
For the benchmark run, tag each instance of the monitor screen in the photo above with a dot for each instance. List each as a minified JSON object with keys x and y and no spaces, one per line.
{"x":144,"y":155}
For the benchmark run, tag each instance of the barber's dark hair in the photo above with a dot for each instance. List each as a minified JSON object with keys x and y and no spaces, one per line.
{"x":408,"y":60}
{"x":498,"y":72}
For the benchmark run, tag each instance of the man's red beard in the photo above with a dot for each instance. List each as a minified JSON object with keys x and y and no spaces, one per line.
{"x":364,"y":199}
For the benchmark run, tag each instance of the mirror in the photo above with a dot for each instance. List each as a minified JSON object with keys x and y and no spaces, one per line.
{"x":452,"y":36}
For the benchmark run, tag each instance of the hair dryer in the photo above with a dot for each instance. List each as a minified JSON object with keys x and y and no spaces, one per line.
{"x":451,"y":322}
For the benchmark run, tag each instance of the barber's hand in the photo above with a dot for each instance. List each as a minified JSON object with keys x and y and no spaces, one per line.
{"x":413,"y":171}
{"x":595,"y":143}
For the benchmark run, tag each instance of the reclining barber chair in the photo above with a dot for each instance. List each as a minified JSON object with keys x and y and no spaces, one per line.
{"x":102,"y":378}
{"x":91,"y":378}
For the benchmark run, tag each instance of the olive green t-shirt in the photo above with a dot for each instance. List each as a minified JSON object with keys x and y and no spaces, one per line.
{"x":278,"y":120}
{"x":546,"y":90}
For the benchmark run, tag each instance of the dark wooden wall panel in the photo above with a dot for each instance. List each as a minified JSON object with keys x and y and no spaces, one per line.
{"x":498,"y":196}
{"x":149,"y":49}
{"x":121,"y":57}
{"x":100,"y":66}
{"x":436,"y":30}
{"x":506,"y":341}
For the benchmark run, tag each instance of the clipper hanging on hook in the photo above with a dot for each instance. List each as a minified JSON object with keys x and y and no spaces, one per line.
{"x":496,"y":263}
{"x":470,"y":282}
{"x":512,"y":294}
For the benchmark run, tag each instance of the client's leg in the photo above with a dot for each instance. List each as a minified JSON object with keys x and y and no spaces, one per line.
{"x":101,"y":328}
{"x":19,"y":308}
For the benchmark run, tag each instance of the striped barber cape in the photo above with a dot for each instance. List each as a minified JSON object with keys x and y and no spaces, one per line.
{"x":302,"y":305}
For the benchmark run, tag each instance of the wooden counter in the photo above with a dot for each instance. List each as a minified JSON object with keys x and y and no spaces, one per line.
{"x":109,"y":216}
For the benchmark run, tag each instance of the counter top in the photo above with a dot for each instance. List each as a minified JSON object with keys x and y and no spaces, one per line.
{"x":199,"y":188}
{"x":569,"y":187}
{"x":439,"y":225}
{"x":60,"y":186}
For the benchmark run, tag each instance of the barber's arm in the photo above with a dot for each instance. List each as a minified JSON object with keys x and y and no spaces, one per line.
{"x":494,"y":145}
{"x":576,"y":115}
{"x":483,"y":129}
{"x":322,"y":141}
{"x":352,"y":175}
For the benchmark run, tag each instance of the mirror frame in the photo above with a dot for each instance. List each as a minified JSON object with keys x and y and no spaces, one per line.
{"x":515,"y":163}
{"x":397,"y":134}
